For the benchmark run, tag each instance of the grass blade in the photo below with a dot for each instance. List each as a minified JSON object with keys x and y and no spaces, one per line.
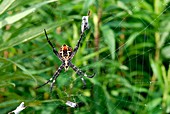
{"x":29,"y":35}
{"x":19,"y":16}
{"x":109,"y":39}
{"x":5,"y":5}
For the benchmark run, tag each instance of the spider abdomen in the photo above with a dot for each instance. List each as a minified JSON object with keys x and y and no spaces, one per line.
{"x":65,"y":53}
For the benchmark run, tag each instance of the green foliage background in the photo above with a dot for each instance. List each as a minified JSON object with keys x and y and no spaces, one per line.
{"x":127,"y":46}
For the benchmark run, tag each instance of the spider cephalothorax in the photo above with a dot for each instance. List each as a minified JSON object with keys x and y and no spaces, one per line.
{"x":66,"y":54}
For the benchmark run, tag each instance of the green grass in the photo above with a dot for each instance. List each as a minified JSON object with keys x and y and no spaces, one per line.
{"x":127,"y":46}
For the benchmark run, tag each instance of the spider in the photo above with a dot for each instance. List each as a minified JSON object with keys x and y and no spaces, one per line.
{"x":66,"y":54}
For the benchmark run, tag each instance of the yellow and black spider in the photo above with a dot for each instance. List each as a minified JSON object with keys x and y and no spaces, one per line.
{"x":66,"y":54}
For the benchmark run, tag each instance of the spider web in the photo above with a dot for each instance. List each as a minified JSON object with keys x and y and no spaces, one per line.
{"x":69,"y":82}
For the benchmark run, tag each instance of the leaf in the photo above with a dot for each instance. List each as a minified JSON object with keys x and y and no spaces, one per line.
{"x":21,"y":67}
{"x":29,"y":35}
{"x":109,"y":39}
{"x":166,"y":52}
{"x":109,"y":101}
{"x":156,"y":68}
{"x":9,"y":103}
{"x":7,"y":84}
{"x":94,"y":54}
{"x":123,"y":6}
{"x":88,"y":3}
{"x":131,"y":39}
{"x":146,"y":6}
{"x":154,"y":103}
{"x":4,"y":5}
{"x":21,"y":15}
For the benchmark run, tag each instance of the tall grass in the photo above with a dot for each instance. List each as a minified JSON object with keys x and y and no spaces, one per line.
{"x":127,"y":46}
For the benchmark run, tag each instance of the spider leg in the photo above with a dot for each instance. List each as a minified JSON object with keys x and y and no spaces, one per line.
{"x":81,"y":37}
{"x":54,"y":50}
{"x":77,"y":46}
{"x":80,"y":73}
{"x":53,"y":78}
{"x":56,"y":74}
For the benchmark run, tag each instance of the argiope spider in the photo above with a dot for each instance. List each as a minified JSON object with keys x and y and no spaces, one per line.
{"x":66,"y":54}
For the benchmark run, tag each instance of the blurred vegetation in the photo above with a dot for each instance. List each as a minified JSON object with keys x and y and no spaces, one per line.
{"x":127,"y":45}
